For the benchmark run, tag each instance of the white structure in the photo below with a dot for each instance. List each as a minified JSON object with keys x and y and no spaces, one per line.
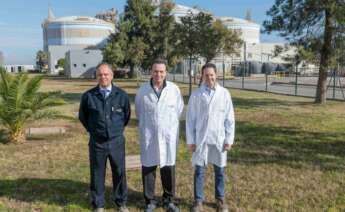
{"x":15,"y":68}
{"x":72,"y":33}
{"x":82,"y":63}
{"x":180,"y":11}
{"x":250,"y":31}
{"x":252,"y":51}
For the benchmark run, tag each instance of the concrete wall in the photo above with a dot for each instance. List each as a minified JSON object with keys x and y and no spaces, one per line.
{"x":57,"y":52}
{"x":82,"y":63}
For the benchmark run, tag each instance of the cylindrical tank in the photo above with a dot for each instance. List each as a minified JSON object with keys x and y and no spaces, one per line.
{"x":250,"y":31}
{"x":76,"y":30}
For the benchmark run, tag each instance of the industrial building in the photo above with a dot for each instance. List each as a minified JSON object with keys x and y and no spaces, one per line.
{"x":82,"y":63}
{"x":252,"y":52}
{"x":15,"y":68}
{"x":64,"y":34}
{"x":74,"y":37}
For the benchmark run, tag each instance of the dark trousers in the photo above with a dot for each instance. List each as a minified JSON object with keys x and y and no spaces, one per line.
{"x":168,"y":183}
{"x":113,"y":150}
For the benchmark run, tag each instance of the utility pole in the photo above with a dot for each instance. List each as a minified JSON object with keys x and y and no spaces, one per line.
{"x":245,"y":62}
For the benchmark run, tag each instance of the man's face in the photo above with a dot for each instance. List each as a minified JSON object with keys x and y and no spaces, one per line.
{"x":158,"y":73}
{"x":210,"y":77}
{"x":104,"y":76}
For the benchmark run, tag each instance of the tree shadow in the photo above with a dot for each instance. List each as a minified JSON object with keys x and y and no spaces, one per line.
{"x":71,"y":97}
{"x":60,"y":192}
{"x":257,"y":144}
{"x":265,"y":102}
{"x":3,"y":136}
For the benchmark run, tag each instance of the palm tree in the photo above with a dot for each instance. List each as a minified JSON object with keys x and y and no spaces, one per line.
{"x":20,"y":102}
{"x":41,"y":59}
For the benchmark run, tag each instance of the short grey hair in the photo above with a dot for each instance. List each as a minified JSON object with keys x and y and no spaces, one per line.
{"x":104,"y":64}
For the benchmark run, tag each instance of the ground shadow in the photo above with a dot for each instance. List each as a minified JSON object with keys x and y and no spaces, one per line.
{"x":258,"y":143}
{"x":3,"y":136}
{"x":59,"y":192}
{"x":71,"y":97}
{"x":265,"y":102}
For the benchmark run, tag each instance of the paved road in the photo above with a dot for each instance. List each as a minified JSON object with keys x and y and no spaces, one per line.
{"x":285,"y":85}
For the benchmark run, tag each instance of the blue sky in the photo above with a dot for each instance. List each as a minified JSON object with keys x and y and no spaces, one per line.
{"x":20,"y":20}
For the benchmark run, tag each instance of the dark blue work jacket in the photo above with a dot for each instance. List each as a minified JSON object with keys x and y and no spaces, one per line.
{"x":104,"y":118}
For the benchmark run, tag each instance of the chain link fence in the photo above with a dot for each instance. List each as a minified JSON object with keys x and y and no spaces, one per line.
{"x":269,"y":77}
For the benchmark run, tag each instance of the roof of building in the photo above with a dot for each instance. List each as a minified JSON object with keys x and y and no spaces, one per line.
{"x":237,"y":21}
{"x":79,"y":19}
{"x":181,"y":9}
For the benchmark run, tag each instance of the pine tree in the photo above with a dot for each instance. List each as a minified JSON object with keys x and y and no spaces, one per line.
{"x":316,"y":25}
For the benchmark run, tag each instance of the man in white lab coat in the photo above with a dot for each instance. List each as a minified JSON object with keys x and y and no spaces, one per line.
{"x":158,"y":106}
{"x":210,"y":128}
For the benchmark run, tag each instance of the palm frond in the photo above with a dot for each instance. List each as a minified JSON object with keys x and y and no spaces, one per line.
{"x":21,"y":101}
{"x":32,"y":87}
{"x":50,"y":114}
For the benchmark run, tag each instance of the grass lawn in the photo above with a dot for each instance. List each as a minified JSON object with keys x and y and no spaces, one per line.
{"x":289,"y":155}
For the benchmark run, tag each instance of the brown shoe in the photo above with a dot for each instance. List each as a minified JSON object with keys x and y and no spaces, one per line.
{"x":197,"y":207}
{"x":98,"y":210}
{"x":221,"y":206}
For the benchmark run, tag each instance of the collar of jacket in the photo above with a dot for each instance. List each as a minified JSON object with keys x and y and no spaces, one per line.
{"x":164,"y":83}
{"x":114,"y":90}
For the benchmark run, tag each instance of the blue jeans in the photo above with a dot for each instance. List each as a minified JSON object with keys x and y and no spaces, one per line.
{"x":219,"y":175}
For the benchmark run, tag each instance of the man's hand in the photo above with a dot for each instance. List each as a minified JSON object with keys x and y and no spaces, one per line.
{"x":227,"y":147}
{"x":191,"y":147}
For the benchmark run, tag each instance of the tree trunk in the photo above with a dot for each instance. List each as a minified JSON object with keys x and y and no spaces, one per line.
{"x":17,"y":136}
{"x":131,"y":72}
{"x":321,"y":91}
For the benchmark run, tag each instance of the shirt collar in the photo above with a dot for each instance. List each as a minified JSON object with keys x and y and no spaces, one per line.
{"x":105,"y":89}
{"x":164,"y":84}
{"x":208,"y":88}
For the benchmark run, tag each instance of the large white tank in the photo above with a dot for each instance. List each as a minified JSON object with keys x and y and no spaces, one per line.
{"x":76,"y":30}
{"x":250,"y":31}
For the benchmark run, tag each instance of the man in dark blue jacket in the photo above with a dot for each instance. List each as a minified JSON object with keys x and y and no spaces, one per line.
{"x":104,"y":112}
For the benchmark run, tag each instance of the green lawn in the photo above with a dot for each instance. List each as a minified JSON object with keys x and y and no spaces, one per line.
{"x":289,"y":155}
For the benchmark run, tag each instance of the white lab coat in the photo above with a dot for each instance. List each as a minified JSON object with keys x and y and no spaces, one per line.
{"x":210,"y":123}
{"x":158,"y":124}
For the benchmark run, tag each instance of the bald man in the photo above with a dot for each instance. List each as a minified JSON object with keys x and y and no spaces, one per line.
{"x":104,"y":112}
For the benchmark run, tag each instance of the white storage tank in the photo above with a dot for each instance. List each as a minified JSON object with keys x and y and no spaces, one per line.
{"x":76,"y":30}
{"x":250,"y":31}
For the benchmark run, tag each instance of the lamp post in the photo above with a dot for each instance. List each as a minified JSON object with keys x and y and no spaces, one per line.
{"x":223,"y":69}
{"x":245,"y":62}
{"x":266,"y":75}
